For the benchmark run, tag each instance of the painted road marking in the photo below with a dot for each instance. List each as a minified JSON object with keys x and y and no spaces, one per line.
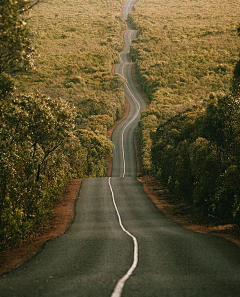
{"x":120,"y":284}
{"x":135,"y":116}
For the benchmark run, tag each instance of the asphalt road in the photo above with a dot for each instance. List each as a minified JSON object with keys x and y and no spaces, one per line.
{"x":120,"y":244}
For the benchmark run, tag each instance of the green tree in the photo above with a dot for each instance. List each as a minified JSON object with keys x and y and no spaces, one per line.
{"x":15,"y":49}
{"x":99,"y":150}
{"x":35,"y":136}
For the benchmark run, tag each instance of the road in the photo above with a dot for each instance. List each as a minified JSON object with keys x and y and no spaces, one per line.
{"x":120,"y":244}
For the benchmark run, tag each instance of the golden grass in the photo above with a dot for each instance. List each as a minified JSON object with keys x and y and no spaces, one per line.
{"x":76,"y":44}
{"x":189,"y":47}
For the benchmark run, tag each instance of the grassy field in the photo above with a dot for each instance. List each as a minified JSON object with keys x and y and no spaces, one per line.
{"x":76,"y":43}
{"x":185,"y":50}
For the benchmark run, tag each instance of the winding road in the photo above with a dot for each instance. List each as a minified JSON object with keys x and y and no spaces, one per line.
{"x":120,"y":244}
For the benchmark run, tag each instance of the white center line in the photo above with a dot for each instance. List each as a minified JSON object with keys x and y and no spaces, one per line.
{"x":135,"y":116}
{"x":120,"y":284}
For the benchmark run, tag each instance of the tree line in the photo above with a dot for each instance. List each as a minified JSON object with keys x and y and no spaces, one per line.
{"x":197,"y":153}
{"x":181,"y":56}
{"x":190,"y":132}
{"x":42,"y":144}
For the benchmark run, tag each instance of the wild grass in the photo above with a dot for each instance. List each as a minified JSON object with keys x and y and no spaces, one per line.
{"x":76,"y":43}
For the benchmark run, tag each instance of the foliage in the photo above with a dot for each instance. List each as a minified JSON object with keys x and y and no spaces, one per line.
{"x":185,"y":55}
{"x":76,"y":43}
{"x":15,"y":49}
{"x":54,"y":116}
{"x":183,"y":52}
{"x":34,"y":168}
{"x":98,"y":149}
{"x":197,"y":154}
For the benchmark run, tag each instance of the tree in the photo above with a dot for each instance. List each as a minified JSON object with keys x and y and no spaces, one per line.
{"x":99,"y":149}
{"x":15,"y":49}
{"x":34,"y":163}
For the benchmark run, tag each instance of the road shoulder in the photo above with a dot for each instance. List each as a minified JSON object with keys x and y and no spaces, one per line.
{"x":63,"y":214}
{"x":183,"y":213}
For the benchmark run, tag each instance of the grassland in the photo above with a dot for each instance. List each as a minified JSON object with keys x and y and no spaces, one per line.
{"x":185,"y":51}
{"x":76,"y":43}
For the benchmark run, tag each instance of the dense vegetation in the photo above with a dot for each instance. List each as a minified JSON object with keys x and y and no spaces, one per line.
{"x":184,"y":51}
{"x":77,"y":43}
{"x":57,"y":99}
{"x":197,"y":154}
{"x":185,"y":55}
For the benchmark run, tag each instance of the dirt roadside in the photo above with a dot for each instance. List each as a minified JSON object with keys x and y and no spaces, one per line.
{"x":178,"y":211}
{"x":183,"y":213}
{"x":63,"y":214}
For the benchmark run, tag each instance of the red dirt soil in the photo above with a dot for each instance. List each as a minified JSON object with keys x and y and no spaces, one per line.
{"x":63,"y":213}
{"x":181,"y":213}
{"x":62,"y":217}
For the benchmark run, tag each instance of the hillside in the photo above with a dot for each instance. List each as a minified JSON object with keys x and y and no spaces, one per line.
{"x":186,"y":54}
{"x":58,"y":97}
